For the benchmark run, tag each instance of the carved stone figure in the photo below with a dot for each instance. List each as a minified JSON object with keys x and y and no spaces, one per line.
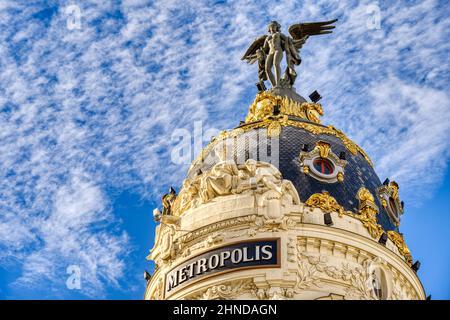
{"x":166,"y":246}
{"x":221,"y":180}
{"x":188,"y":196}
{"x":226,"y":178}
{"x":262,"y":173}
{"x":268,"y":50}
{"x":268,"y":177}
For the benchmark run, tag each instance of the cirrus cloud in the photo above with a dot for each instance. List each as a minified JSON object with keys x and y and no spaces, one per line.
{"x":85,"y":110}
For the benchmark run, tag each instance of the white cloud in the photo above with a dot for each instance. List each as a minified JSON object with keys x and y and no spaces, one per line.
{"x":68,"y":239}
{"x":89,"y":109}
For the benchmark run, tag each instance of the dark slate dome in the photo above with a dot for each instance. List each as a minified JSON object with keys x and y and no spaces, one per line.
{"x":293,"y":135}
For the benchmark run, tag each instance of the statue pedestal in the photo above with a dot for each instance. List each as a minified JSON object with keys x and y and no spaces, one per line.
{"x":287,"y":92}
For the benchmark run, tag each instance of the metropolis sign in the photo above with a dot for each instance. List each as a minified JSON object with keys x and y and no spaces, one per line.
{"x":248,"y":254}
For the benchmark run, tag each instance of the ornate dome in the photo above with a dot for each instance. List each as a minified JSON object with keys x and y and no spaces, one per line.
{"x":296,"y":130}
{"x":282,"y":207}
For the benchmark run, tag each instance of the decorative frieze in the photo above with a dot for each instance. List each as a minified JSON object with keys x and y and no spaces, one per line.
{"x":226,"y":291}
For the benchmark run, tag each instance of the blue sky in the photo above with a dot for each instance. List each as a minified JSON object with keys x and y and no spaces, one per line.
{"x":88,"y":107}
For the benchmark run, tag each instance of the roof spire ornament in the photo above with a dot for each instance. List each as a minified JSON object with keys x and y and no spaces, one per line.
{"x":268,"y":51}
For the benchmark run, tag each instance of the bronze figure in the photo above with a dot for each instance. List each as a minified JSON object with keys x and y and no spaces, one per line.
{"x":268,"y":50}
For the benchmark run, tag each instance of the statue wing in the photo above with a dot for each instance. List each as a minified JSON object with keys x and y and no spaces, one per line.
{"x":251,"y":54}
{"x":304,"y":30}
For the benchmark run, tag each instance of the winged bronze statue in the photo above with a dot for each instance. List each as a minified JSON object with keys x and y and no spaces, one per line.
{"x":268,"y":50}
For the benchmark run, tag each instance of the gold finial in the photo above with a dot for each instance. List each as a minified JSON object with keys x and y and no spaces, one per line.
{"x":324,"y":149}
